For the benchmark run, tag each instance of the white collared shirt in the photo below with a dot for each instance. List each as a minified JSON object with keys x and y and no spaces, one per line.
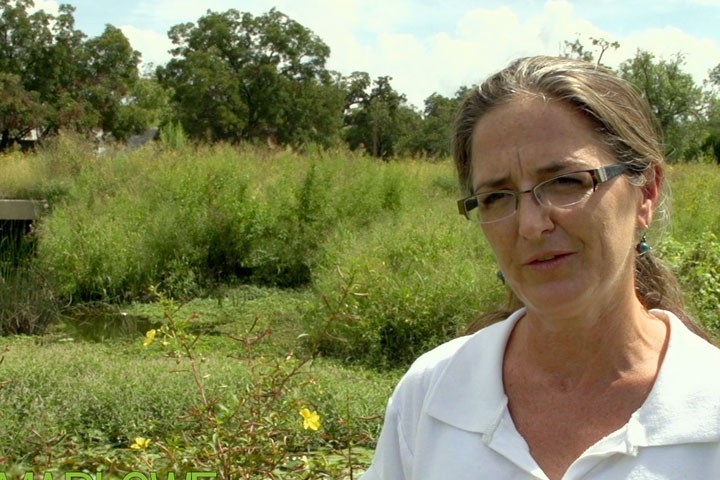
{"x":448,"y":418}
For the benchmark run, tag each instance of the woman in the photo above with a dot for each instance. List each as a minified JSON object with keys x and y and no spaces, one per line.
{"x":594,"y":376}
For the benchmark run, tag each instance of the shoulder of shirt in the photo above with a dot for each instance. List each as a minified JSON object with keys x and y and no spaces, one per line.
{"x":692,"y":361}
{"x":684,"y":404}
{"x":430,"y":365}
{"x":694,"y":348}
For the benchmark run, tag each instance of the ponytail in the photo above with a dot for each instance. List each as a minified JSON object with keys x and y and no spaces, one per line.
{"x":657,"y":286}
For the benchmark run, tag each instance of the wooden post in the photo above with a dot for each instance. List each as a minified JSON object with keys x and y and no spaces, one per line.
{"x":16,"y":219}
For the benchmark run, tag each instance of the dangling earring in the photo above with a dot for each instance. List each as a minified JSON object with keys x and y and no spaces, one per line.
{"x":643,"y":247}
{"x":500,"y":277}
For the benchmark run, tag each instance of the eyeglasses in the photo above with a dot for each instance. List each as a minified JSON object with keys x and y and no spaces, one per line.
{"x":561,"y":191}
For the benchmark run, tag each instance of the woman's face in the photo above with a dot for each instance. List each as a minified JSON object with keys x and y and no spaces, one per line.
{"x":558,"y":260}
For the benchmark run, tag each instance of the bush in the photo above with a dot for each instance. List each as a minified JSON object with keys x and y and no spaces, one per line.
{"x":190,"y":219}
{"x":402,"y":288}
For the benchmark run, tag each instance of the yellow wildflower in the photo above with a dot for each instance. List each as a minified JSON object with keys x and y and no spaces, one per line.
{"x":311,"y":420}
{"x":149,"y":337}
{"x":140,"y":443}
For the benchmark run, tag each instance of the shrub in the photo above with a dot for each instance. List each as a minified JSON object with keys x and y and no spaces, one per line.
{"x":403,"y":288}
{"x":190,"y":219}
{"x":173,"y":136}
{"x":290,"y":243}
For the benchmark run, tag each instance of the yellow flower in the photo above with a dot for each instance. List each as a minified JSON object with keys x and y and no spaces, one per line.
{"x":140,"y":443}
{"x":311,"y":420}
{"x":149,"y":337}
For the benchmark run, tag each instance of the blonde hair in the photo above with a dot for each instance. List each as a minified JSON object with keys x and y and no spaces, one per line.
{"x":623,"y":121}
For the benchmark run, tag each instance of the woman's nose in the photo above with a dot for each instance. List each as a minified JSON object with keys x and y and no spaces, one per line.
{"x":532,"y":217}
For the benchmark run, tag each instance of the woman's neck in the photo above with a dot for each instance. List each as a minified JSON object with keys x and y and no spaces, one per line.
{"x":591,"y":349}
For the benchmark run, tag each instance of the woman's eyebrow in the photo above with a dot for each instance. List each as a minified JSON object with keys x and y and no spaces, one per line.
{"x":491,"y":184}
{"x":552,"y":168}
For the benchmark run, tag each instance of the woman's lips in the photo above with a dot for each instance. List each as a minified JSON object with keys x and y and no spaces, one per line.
{"x":546,"y":261}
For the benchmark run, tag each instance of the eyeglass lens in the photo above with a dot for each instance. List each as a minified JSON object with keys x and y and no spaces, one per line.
{"x":561,"y":191}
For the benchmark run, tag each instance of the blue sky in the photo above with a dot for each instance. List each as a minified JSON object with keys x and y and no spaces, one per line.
{"x":437,"y":46}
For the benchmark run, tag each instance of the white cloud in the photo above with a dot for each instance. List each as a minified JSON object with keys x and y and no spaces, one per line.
{"x":483,"y":41}
{"x":49,"y":6}
{"x":700,"y":55}
{"x":171,"y":12}
{"x":152,"y":45}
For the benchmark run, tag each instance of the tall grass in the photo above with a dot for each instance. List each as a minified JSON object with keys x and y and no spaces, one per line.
{"x":695,"y":199}
{"x":403,"y":286}
{"x":27,"y":297}
{"x":393,"y":268}
{"x":48,"y":173}
{"x":188,"y":219}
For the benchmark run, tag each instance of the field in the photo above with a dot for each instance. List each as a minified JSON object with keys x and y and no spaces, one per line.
{"x":182,"y":306}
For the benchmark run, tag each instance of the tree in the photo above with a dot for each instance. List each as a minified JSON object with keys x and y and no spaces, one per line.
{"x":373,"y":119}
{"x":146,"y":104}
{"x":674,"y":99}
{"x":438,"y":118}
{"x":578,"y":51}
{"x":20,"y":111}
{"x":237,"y":77}
{"x":112,"y":70}
{"x":57,"y":77}
{"x":20,"y":107}
{"x":711,"y":144}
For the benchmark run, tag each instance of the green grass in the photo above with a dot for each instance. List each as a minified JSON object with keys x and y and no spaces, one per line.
{"x":71,"y":401}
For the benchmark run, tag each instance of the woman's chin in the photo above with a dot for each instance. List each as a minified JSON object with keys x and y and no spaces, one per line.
{"x":553,"y":296}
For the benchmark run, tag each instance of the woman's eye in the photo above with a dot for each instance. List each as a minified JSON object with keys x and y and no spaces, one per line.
{"x":570,"y":181}
{"x":490,"y":199}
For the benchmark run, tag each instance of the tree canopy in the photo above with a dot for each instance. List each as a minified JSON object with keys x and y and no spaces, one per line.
{"x":54,"y":77}
{"x":235,"y":77}
{"x":686,"y":113}
{"x":674,"y":98}
{"x":238,"y":77}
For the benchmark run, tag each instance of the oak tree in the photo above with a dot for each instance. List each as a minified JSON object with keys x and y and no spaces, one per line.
{"x":237,"y":77}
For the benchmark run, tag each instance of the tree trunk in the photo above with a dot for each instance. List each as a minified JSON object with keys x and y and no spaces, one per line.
{"x":5,"y":140}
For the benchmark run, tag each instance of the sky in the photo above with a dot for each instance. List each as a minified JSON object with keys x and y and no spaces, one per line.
{"x":437,"y":46}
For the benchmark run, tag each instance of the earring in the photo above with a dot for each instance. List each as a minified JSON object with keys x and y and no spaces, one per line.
{"x":643,"y":247}
{"x":500,"y":277}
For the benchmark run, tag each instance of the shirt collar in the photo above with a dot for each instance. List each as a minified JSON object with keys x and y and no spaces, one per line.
{"x":470,"y":395}
{"x":683,"y":405}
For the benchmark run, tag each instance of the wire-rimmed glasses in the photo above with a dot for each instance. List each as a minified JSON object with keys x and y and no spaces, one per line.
{"x":561,"y":191}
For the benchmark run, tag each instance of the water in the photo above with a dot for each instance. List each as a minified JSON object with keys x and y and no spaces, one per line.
{"x":99,"y":325}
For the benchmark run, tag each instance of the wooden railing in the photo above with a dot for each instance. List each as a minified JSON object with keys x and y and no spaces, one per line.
{"x":20,"y":210}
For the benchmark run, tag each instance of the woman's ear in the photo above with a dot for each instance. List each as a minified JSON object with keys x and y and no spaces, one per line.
{"x":650,"y":199}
